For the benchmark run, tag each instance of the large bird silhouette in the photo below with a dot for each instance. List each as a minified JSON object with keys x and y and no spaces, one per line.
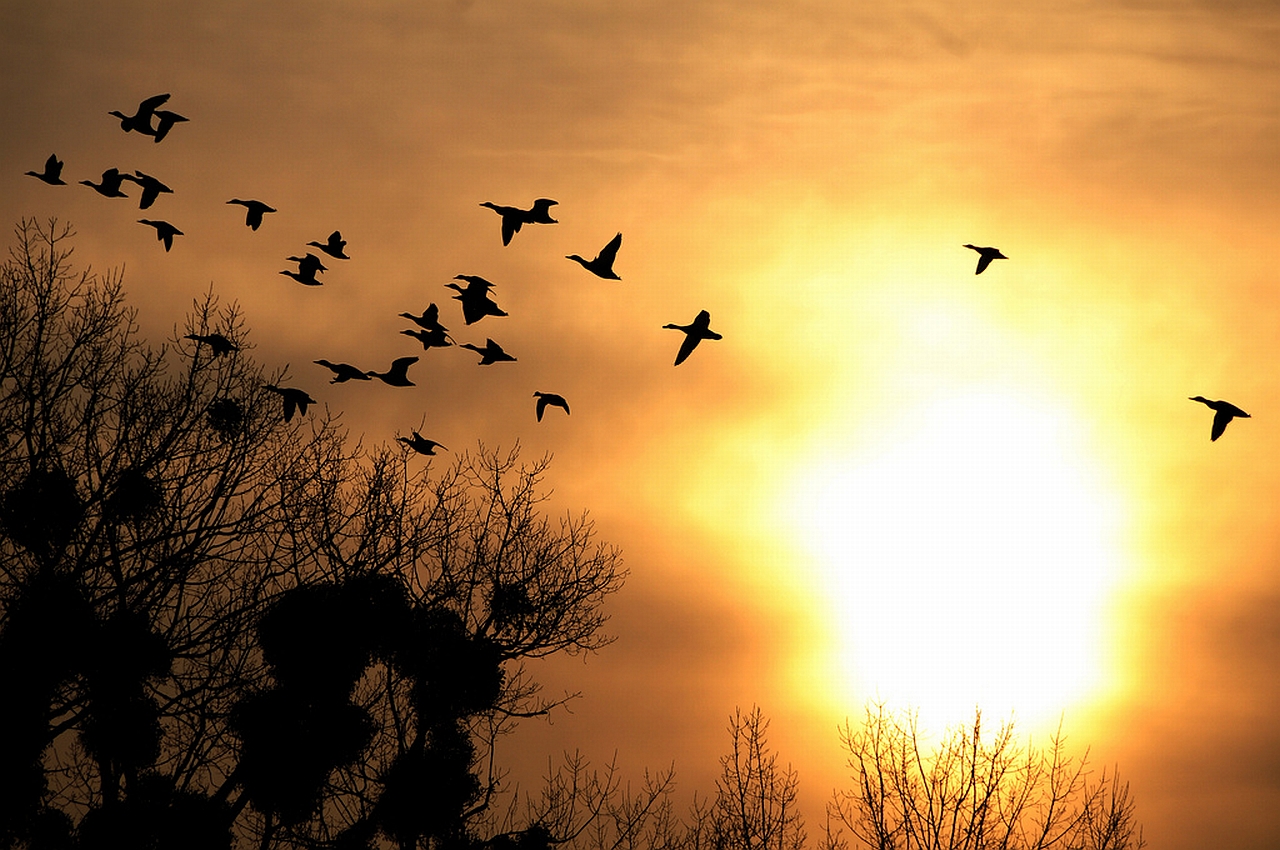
{"x":553,"y":399}
{"x":1223,"y":413}
{"x":255,"y":211}
{"x":491,"y":352}
{"x":308,"y":267}
{"x":140,"y":120}
{"x":335,"y":247}
{"x":52,"y":173}
{"x":602,"y":265}
{"x":694,"y":333}
{"x":164,"y":123}
{"x":151,"y":188}
{"x":513,"y":218}
{"x":985,"y":256}
{"x":109,"y":185}
{"x":293,"y":398}
{"x":164,"y":231}
{"x":398,"y":374}
{"x":343,"y":372}
{"x":476,"y":303}
{"x":421,"y":444}
{"x":216,"y":341}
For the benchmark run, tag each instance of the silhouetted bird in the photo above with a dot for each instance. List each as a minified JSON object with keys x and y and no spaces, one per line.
{"x":476,"y":303}
{"x":429,"y":320}
{"x":110,"y":185}
{"x":343,"y":372}
{"x":151,"y":188}
{"x":308,"y":266}
{"x":550,"y":398}
{"x":421,"y":444}
{"x":256,"y":209}
{"x":694,"y":333}
{"x":164,"y":231}
{"x":1223,"y":412}
{"x":219,"y":343}
{"x":602,"y":265}
{"x":430,"y":339}
{"x":293,"y":398}
{"x":334,"y":247}
{"x":513,"y":218}
{"x":52,"y":173}
{"x":166,"y":120}
{"x":490,"y":354}
{"x":398,"y":374}
{"x":986,"y":255}
{"x":140,"y":120}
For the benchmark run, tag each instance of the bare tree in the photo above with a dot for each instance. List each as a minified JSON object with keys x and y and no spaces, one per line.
{"x":975,"y":792}
{"x":220,"y":626}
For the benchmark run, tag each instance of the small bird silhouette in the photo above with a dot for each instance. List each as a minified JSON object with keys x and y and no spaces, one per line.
{"x":334,"y":247}
{"x":308,"y":267}
{"x":694,"y":333}
{"x":476,"y":303}
{"x":513,"y":218}
{"x":343,"y":372}
{"x":293,"y":398}
{"x":986,"y":255}
{"x":141,"y":119}
{"x":256,"y":209}
{"x":216,"y":341}
{"x":545,"y":399}
{"x":164,"y":231}
{"x":110,"y":185}
{"x":151,"y":188}
{"x":1224,"y":412}
{"x":165,"y":121}
{"x":52,"y":173}
{"x":490,"y":354}
{"x":602,"y":265}
{"x":398,"y":374}
{"x":430,"y":339}
{"x":429,"y":320}
{"x":421,"y":444}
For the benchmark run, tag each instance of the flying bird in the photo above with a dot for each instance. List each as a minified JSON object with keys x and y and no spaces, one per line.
{"x":513,"y":218}
{"x":429,"y":320}
{"x":476,"y":303}
{"x":1223,"y":412}
{"x":398,"y":374}
{"x":421,"y":444}
{"x":602,"y":265}
{"x":151,"y":188}
{"x":694,"y":333}
{"x":216,"y":341}
{"x":490,"y":354}
{"x":256,"y":209}
{"x":166,"y":121}
{"x":334,"y":247}
{"x":293,"y":398}
{"x":308,"y":267}
{"x":430,"y":339}
{"x":164,"y":231}
{"x":52,"y":173}
{"x":545,"y":399}
{"x":141,"y":119}
{"x":343,"y":372}
{"x":110,"y":184}
{"x":985,"y":256}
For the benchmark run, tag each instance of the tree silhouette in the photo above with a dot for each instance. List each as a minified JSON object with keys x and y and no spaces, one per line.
{"x":219,"y":628}
{"x":975,"y":791}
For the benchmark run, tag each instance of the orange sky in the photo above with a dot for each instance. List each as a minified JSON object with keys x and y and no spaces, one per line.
{"x":891,"y":476}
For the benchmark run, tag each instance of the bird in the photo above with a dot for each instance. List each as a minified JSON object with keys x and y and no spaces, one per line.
{"x":430,"y":339}
{"x":256,"y":209}
{"x":110,"y":185}
{"x":52,"y":173}
{"x":421,"y":444}
{"x":293,"y":398}
{"x":343,"y":372}
{"x":476,"y":303}
{"x":1223,"y":412}
{"x":398,"y":374}
{"x":166,"y":121}
{"x":308,"y":267}
{"x":545,"y":399}
{"x":334,"y":247}
{"x":490,"y":354}
{"x":429,"y":320}
{"x":986,"y":255}
{"x":164,"y":231}
{"x":513,"y":218}
{"x":216,"y":341}
{"x":602,"y":265}
{"x":694,"y":333}
{"x":151,"y":188}
{"x":141,"y":119}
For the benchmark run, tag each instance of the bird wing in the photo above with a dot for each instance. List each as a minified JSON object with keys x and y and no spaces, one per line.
{"x":686,"y":348}
{"x":510,"y":227}
{"x":288,"y":406}
{"x":151,"y":103}
{"x":1220,"y":420}
{"x":542,"y":405}
{"x":610,"y":252}
{"x":983,"y":262}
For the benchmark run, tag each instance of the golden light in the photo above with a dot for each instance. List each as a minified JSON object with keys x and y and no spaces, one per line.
{"x":966,"y":542}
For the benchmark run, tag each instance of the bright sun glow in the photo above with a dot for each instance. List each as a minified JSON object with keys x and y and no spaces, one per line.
{"x":967,"y":559}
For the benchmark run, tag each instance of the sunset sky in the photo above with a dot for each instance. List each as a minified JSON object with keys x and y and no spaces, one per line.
{"x":892,"y":478}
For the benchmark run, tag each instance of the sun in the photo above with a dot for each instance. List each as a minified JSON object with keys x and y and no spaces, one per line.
{"x":967,"y":559}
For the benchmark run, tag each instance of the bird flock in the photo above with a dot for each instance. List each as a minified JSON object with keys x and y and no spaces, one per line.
{"x":474,"y":293}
